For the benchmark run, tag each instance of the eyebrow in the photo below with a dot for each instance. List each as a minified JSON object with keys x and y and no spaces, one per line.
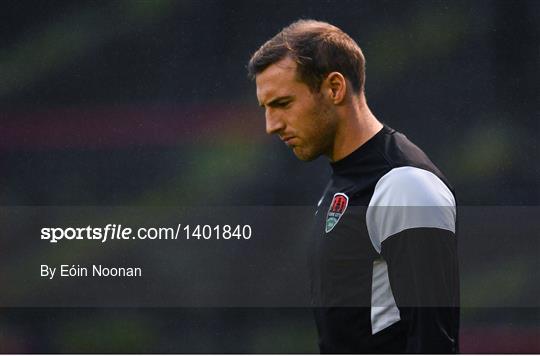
{"x":274,"y":101}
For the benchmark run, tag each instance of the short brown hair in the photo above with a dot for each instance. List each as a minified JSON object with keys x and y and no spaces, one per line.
{"x":318,"y":48}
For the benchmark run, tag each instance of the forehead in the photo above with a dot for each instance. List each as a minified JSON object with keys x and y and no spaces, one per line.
{"x":279,"y":79}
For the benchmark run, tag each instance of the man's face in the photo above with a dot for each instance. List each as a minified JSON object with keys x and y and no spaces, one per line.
{"x":305,"y":121}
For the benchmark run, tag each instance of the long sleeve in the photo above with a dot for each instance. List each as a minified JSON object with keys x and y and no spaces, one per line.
{"x":423,"y":276}
{"x":411,"y":220}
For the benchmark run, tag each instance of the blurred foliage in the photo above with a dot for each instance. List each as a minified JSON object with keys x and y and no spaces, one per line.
{"x":46,"y":51}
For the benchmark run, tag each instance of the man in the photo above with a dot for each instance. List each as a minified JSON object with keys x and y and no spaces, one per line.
{"x":384,"y":274}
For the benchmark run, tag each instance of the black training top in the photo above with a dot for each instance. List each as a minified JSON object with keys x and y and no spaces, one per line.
{"x":384,"y":272}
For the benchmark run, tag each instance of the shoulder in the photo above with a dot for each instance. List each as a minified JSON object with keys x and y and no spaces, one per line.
{"x":411,"y":186}
{"x":406,"y":198}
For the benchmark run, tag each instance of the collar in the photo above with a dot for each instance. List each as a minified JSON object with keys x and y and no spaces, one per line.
{"x":361,"y":152}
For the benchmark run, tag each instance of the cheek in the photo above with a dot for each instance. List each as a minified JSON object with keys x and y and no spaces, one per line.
{"x":323,"y":130}
{"x":319,"y":122}
{"x":310,"y":121}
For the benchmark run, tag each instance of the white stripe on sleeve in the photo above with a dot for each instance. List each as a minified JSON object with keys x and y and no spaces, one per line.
{"x":406,"y":198}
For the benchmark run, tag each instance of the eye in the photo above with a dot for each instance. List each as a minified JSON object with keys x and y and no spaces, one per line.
{"x":283,"y":104}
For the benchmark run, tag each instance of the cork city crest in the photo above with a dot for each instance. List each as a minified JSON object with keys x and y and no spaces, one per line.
{"x":336,"y":210}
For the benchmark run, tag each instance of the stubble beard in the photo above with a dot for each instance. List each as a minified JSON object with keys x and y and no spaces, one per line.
{"x":323,"y":135}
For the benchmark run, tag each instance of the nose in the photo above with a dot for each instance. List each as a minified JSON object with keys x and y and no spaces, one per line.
{"x":274,"y":122}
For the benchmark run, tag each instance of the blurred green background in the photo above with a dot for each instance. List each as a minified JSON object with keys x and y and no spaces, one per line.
{"x":147,"y":103}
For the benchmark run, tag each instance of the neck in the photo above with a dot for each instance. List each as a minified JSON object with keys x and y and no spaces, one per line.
{"x":356,"y":126}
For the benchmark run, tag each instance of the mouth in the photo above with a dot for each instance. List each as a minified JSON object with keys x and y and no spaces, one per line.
{"x":288,"y":140}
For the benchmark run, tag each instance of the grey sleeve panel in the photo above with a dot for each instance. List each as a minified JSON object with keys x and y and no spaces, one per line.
{"x":407,"y":198}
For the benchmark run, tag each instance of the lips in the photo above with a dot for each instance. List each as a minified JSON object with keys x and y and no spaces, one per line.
{"x":287,"y":140}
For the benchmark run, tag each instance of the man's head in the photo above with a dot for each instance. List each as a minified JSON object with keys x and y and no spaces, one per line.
{"x":318,"y":48}
{"x":303,"y":74}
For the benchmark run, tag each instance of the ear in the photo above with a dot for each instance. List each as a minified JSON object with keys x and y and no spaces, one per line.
{"x":336,"y":87}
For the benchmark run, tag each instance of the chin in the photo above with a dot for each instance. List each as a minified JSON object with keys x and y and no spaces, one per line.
{"x":304,"y":156}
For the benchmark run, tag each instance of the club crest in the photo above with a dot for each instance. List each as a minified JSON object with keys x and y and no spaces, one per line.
{"x":336,"y":210}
